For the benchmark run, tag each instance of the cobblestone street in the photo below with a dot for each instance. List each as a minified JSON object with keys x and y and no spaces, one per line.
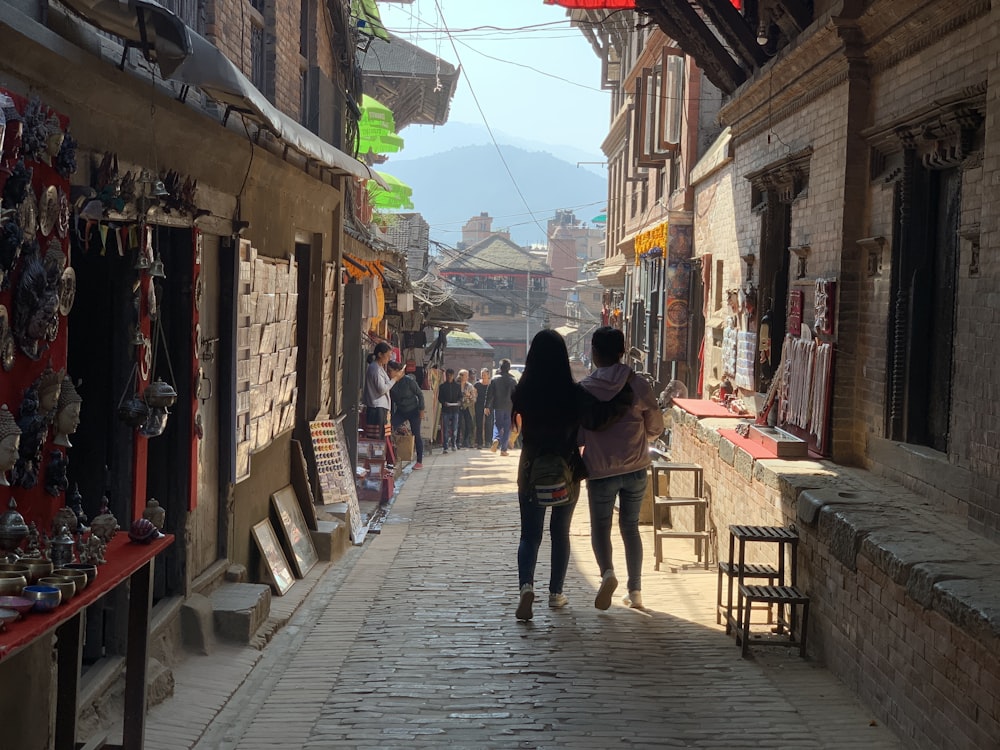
{"x":410,"y":641}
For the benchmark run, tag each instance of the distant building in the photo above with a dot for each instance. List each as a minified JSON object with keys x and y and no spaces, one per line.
{"x":409,"y":233}
{"x":506,"y":285}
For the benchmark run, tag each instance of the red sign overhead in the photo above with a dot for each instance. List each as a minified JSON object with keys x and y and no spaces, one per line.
{"x":594,"y":4}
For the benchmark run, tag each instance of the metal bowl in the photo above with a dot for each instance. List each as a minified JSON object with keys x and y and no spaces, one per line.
{"x":18,"y":603}
{"x":90,"y":570}
{"x":16,"y":568}
{"x":78,"y":577}
{"x":66,"y":586}
{"x":45,"y":598}
{"x":8,"y":615}
{"x":11,"y":583}
{"x":37,"y":568}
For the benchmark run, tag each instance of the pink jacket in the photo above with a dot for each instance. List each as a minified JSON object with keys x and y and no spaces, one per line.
{"x":624,"y":446}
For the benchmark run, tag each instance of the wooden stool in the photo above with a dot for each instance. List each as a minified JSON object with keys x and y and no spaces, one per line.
{"x":768,"y":573}
{"x":782,"y":596}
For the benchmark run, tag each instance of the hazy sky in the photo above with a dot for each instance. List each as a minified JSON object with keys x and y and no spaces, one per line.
{"x":532,"y":74}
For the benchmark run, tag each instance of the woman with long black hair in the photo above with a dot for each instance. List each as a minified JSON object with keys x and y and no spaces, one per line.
{"x":550,"y":407}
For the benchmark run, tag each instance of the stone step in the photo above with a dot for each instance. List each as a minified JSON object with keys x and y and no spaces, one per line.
{"x":331,"y":538}
{"x":239,"y":609}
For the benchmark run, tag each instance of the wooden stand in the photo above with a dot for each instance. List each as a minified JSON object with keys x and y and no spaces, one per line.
{"x":698,"y":502}
{"x":125,"y":560}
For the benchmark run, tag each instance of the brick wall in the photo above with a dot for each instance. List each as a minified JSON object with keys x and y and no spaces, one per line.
{"x":934,"y":681}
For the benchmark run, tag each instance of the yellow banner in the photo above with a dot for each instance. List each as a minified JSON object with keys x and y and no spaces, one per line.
{"x":655,"y":237}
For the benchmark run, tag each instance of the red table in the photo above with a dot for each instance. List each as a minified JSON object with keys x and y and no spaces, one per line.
{"x":703,"y":408}
{"x":126,"y":559}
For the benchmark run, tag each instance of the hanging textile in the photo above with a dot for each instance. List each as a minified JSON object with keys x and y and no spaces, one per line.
{"x":746,"y":356}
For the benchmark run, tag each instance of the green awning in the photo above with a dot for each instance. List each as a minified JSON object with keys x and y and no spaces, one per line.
{"x":396,"y":195}
{"x":365,"y":15}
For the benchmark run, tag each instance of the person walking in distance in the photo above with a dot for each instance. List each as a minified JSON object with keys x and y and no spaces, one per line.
{"x":450,"y":398}
{"x":466,"y":421}
{"x":482,"y":423}
{"x":551,"y":409}
{"x":617,"y":461}
{"x":408,"y":406}
{"x":499,"y":404}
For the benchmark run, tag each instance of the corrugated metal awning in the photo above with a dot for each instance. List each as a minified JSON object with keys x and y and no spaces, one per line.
{"x":186,"y":56}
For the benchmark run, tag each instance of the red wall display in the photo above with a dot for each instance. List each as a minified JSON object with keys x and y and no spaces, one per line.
{"x":35,"y":295}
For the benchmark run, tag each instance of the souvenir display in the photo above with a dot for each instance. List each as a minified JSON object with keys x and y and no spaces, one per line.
{"x":36,"y":303}
{"x":92,"y":551}
{"x":36,"y":414}
{"x":143,"y":531}
{"x":67,"y":417}
{"x":62,"y":548}
{"x":62,"y":222}
{"x":48,"y":210}
{"x":105,"y":526}
{"x":11,"y":239}
{"x":10,"y":440}
{"x":56,"y":480}
{"x":13,"y":531}
{"x":17,"y":189}
{"x":67,"y":290}
{"x":27,"y":215}
{"x":76,"y":503}
{"x":7,"y":353}
{"x":155,"y":513}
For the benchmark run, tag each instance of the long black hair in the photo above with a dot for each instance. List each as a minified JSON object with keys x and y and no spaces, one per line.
{"x":546,"y":388}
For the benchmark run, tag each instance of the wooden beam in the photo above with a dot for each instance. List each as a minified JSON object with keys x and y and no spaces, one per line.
{"x":797,"y":11}
{"x":736,"y":31}
{"x":680,"y":22}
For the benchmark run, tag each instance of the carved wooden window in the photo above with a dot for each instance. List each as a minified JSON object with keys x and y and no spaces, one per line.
{"x":671,"y":100}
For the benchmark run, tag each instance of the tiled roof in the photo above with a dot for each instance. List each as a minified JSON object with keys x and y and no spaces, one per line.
{"x":496,"y":254}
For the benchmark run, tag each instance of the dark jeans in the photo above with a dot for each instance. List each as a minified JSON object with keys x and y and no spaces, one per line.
{"x":449,"y":429}
{"x":484,"y":428}
{"x":532,"y":527}
{"x":465,"y":428}
{"x":413,"y":417}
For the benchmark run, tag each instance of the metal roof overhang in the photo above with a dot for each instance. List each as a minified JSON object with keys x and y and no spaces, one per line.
{"x":185,"y":56}
{"x":612,"y":276}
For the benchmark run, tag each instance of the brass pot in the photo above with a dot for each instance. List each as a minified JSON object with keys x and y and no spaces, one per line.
{"x":160,"y":394}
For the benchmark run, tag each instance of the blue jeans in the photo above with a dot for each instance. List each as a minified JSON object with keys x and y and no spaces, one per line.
{"x":629,"y":489}
{"x":501,"y":430}
{"x":449,"y":429}
{"x":532,"y":527}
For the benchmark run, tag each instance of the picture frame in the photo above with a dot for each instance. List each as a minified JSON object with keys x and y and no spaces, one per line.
{"x":300,"y":546}
{"x":273,"y":559}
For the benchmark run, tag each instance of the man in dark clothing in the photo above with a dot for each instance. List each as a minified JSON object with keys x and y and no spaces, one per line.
{"x":499,"y":402}
{"x":408,"y":406}
{"x":450,"y":398}
{"x":484,"y":426}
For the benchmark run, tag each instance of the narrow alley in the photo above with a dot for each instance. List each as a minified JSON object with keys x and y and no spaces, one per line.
{"x":410,"y":641}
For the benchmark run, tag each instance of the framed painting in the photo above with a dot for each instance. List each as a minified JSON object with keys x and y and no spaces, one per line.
{"x":300,"y":546}
{"x":275,"y":565}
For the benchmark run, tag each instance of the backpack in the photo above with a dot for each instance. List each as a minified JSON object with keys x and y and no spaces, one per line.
{"x":550,"y":479}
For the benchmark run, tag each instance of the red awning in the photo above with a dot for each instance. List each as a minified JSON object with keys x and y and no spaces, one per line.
{"x":593,"y":4}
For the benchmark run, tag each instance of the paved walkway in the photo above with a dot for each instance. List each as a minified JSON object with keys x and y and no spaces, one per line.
{"x":410,"y":641}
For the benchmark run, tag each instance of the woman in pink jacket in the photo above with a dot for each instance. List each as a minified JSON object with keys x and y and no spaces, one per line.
{"x":617,"y":461}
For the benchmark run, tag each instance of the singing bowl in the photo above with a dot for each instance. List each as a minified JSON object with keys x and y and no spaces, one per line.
{"x":37,"y":568}
{"x":90,"y":570}
{"x":18,"y":567}
{"x":12,"y":583}
{"x":8,"y":615}
{"x":45,"y":598}
{"x":78,"y":577}
{"x":18,"y":603}
{"x":66,"y":586}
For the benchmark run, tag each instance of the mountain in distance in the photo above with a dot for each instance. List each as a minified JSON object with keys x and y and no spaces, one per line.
{"x":452,"y":186}
{"x":426,"y":140}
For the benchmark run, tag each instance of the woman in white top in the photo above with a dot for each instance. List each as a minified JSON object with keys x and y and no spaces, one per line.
{"x":378,"y":383}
